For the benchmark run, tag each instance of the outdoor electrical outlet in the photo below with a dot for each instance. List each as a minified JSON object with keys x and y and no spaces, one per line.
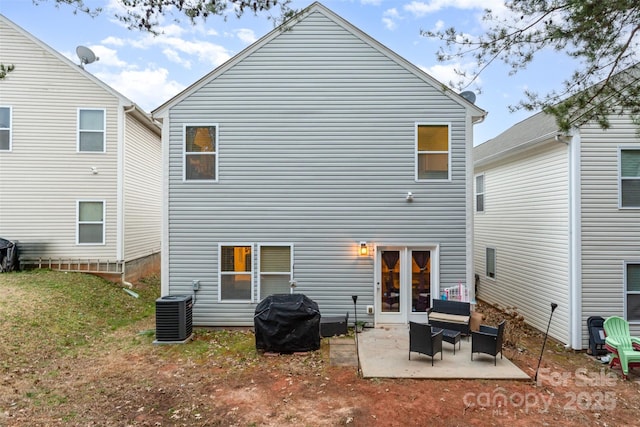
{"x":369,"y":309}
{"x":196,"y":285}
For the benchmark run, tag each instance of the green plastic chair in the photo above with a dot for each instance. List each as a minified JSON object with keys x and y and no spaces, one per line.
{"x":619,"y":339}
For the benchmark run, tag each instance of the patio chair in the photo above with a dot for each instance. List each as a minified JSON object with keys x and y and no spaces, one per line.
{"x":488,"y":340}
{"x":621,"y":344}
{"x":423,"y":340}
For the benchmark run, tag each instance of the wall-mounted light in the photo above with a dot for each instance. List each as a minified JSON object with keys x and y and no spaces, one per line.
{"x":364,"y":249}
{"x":409,"y":196}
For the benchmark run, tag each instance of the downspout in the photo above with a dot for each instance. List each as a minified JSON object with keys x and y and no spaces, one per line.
{"x":164,"y":241}
{"x":470,"y":279}
{"x":120,"y":187}
{"x":575,"y":246}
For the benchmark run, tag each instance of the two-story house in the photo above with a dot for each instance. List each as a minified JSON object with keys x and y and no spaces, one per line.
{"x":557,"y":219}
{"x":317,"y":161}
{"x":80,"y":165}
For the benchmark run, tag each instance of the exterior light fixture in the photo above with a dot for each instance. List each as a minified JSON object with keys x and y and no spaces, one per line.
{"x":364,"y":249}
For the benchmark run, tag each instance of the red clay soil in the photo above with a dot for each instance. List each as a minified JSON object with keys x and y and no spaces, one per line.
{"x":123,"y":383}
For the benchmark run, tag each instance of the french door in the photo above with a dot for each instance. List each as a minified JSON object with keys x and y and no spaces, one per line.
{"x":404,"y":283}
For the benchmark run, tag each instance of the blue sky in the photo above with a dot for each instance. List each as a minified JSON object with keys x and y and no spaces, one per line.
{"x":150,"y":70}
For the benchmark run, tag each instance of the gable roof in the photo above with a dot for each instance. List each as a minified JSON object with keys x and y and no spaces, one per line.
{"x":476,"y":112}
{"x":132,"y":107}
{"x":533,"y":130}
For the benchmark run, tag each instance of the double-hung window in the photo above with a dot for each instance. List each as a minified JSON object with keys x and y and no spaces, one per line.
{"x":91,"y":130}
{"x":433,"y":152}
{"x":630,"y":177}
{"x":236,"y":273}
{"x":275,"y":270}
{"x":479,"y":193}
{"x":490,"y":263}
{"x":632,"y":291}
{"x":90,"y":223}
{"x":5,"y":128}
{"x":200,"y":152}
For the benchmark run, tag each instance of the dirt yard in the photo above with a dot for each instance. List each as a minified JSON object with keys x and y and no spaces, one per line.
{"x":219,"y":380}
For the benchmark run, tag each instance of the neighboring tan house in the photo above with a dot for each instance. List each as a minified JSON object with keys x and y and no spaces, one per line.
{"x":557,"y":219}
{"x":317,"y":161}
{"x":80,"y":165}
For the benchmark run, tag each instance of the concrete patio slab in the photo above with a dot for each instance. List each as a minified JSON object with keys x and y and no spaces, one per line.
{"x":384,"y":353}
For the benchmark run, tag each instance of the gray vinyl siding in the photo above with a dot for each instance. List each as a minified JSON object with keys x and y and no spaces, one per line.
{"x":610,"y":235}
{"x":525,"y":218}
{"x":316,"y":146}
{"x":142,"y":190}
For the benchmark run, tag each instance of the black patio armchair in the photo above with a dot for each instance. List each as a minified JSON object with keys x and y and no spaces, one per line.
{"x":488,"y":340}
{"x":423,"y":340}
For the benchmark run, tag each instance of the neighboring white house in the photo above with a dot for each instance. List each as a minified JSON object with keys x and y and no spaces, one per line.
{"x":80,"y":165}
{"x":557,"y":219}
{"x":317,"y":161}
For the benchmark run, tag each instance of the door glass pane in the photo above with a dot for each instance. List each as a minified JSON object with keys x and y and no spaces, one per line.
{"x":420,"y":281}
{"x":390,"y":282}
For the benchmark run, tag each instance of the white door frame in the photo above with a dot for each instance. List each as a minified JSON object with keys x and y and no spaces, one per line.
{"x":404,"y":315}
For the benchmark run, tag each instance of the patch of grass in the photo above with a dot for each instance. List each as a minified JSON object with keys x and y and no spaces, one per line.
{"x":53,"y":313}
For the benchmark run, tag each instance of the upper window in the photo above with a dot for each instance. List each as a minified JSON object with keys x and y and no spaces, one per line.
{"x":91,"y":130}
{"x":480,"y":193}
{"x":630,"y":178}
{"x":200,"y":153}
{"x":491,"y":263}
{"x":275,"y":270}
{"x":5,"y":128}
{"x":90,"y":223}
{"x":432,"y":152}
{"x":632,"y":284}
{"x":236,"y":273}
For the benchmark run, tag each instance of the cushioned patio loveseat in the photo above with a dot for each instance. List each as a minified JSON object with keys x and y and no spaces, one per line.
{"x":452,"y":315}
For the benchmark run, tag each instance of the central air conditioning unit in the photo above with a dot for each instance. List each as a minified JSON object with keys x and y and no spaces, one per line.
{"x":174,"y":319}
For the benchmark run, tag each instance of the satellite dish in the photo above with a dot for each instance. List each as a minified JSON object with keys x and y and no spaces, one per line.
{"x":469,"y":96}
{"x":86,"y":55}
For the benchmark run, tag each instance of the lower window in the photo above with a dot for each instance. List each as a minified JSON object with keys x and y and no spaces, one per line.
{"x":275,"y":270}
{"x":236,"y":273}
{"x":90,"y":222}
{"x":632,"y":291}
{"x":491,"y":263}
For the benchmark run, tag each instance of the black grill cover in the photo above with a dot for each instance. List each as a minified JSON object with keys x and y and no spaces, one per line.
{"x":286,"y":323}
{"x":8,"y":256}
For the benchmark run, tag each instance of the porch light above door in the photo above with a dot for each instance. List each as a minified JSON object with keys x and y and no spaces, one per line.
{"x":364,"y":249}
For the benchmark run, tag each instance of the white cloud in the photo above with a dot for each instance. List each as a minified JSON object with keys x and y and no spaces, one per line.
{"x":246,"y":35}
{"x":389,"y":18}
{"x":446,"y":73}
{"x":175,"y":57}
{"x":108,"y":57}
{"x":150,"y":88}
{"x":422,"y":8}
{"x":114,"y":41}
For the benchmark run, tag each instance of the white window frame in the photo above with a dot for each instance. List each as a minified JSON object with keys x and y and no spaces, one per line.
{"x":486,"y":263}
{"x":260,"y":273}
{"x":103,"y":222}
{"x":417,"y":153}
{"x":479,"y":193}
{"x":627,"y":292}
{"x":103,"y":131}
{"x":10,"y":128}
{"x":250,"y":273}
{"x":620,"y":179}
{"x":215,"y":153}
